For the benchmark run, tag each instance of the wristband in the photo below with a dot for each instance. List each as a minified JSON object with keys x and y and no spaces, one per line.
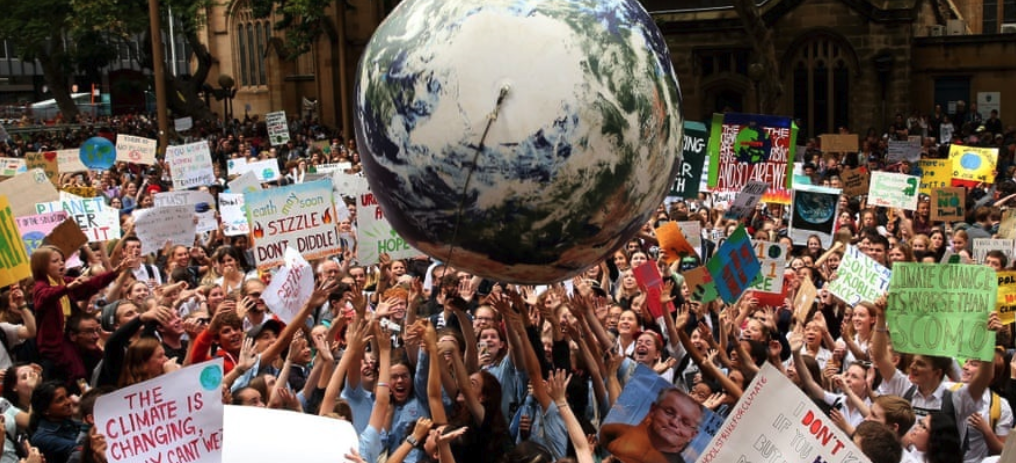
{"x":882,"y":330}
{"x":384,"y":385}
{"x":561,"y":405}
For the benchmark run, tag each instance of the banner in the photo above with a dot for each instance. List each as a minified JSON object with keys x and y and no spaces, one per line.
{"x":734,"y":266}
{"x":897,"y":191}
{"x":375,"y":235}
{"x":201,"y":202}
{"x":859,"y":278}
{"x":972,"y":165}
{"x":233,"y":214}
{"x":814,"y":212}
{"x":300,"y":216}
{"x":155,"y":226}
{"x":693,"y":158}
{"x":772,"y":259}
{"x":1005,"y":303}
{"x":278,"y":128}
{"x":904,"y":150}
{"x":942,"y":309}
{"x":291,"y":287}
{"x":190,"y":165}
{"x":745,"y":147}
{"x":745,"y":202}
{"x":855,"y":182}
{"x":673,"y":244}
{"x":935,"y":173}
{"x":34,"y":228}
{"x":948,"y":204}
{"x":137,"y":150}
{"x":321,"y":439}
{"x":776,"y":421}
{"x":833,"y":143}
{"x":14,"y":263}
{"x":177,"y":416}
{"x":982,"y":246}
{"x":69,"y":161}
{"x":47,"y":162}
{"x":98,"y":221}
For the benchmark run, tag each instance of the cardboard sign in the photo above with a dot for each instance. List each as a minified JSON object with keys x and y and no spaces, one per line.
{"x":972,"y":165}
{"x":291,"y":287}
{"x":898,"y":191}
{"x":948,"y":204}
{"x":855,"y":182}
{"x":25,"y":189}
{"x":982,"y":246}
{"x":201,"y":202}
{"x":300,"y":216}
{"x":745,"y":202}
{"x":45,"y":161}
{"x":82,"y":191}
{"x":745,"y":147}
{"x":69,"y":161}
{"x":278,"y":128}
{"x":183,"y":123}
{"x":233,"y":213}
{"x":673,"y":244}
{"x":97,"y":153}
{"x":174,"y":417}
{"x":375,"y":235}
{"x":137,"y":150}
{"x":34,"y":228}
{"x":693,"y":159}
{"x":942,"y":310}
{"x":775,"y":418}
{"x":935,"y":173}
{"x":1005,"y":303}
{"x":859,"y":278}
{"x":10,"y":167}
{"x":834,"y":143}
{"x":904,"y":150}
{"x":14,"y":263}
{"x":321,"y":438}
{"x":66,"y":236}
{"x":190,"y":165}
{"x":814,"y":212}
{"x":734,"y":266}
{"x":155,"y":226}
{"x":98,"y":221}
{"x":804,"y":299}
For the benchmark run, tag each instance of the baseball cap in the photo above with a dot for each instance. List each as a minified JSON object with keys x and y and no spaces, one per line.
{"x":107,"y":319}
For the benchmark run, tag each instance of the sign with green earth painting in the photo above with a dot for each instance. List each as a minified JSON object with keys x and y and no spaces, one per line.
{"x":278,"y":128}
{"x":374,"y":235}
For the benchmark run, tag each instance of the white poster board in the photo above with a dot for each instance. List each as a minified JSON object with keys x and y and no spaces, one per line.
{"x":747,"y":199}
{"x":69,"y":161}
{"x":190,"y":165}
{"x":245,"y":183}
{"x":233,"y":214}
{"x":202,"y":203}
{"x":183,"y":123}
{"x":897,"y":191}
{"x":258,"y":434}
{"x":138,"y":150}
{"x":97,"y":221}
{"x":859,"y":278}
{"x":982,"y":246}
{"x":278,"y":128}
{"x":157,"y":225}
{"x":291,"y":287}
{"x":374,"y":235}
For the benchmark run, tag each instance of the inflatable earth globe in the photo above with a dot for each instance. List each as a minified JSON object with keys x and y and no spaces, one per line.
{"x":522,"y":141}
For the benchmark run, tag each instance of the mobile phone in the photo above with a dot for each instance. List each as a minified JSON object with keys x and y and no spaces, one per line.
{"x":482,"y":347}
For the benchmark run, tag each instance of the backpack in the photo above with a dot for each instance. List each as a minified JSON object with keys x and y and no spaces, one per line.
{"x":994,"y":405}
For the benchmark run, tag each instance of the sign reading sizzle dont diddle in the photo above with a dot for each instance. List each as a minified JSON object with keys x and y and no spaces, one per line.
{"x":942,"y":309}
{"x":298,"y":216}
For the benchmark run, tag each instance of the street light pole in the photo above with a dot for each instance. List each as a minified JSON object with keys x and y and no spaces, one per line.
{"x":157,"y":75}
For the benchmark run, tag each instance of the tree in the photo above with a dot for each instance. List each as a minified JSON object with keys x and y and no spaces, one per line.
{"x":303,"y":21}
{"x":770,"y":86}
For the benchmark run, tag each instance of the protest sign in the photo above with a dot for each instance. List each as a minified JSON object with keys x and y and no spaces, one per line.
{"x":982,"y":246}
{"x":97,"y":153}
{"x":320,"y":438}
{"x":233,"y":214}
{"x":138,"y":150}
{"x":814,"y":212}
{"x":156,"y":226}
{"x":264,"y":171}
{"x":202,"y":204}
{"x":904,"y":150}
{"x":350,"y":185}
{"x":177,"y":416}
{"x":47,"y":162}
{"x":34,"y":228}
{"x":772,"y":259}
{"x":775,"y":418}
{"x":278,"y":128}
{"x":693,"y":159}
{"x":245,"y":183}
{"x":67,"y":236}
{"x":300,"y":216}
{"x":734,"y":266}
{"x":69,"y":161}
{"x":804,"y":300}
{"x":972,"y":165}
{"x":942,"y":309}
{"x":855,"y":182}
{"x":834,"y":143}
{"x":10,"y":167}
{"x":893,"y":190}
{"x":673,"y":244}
{"x":700,"y":284}
{"x":859,"y":278}
{"x":183,"y":123}
{"x":935,"y":173}
{"x":375,"y":235}
{"x":291,"y":287}
{"x":14,"y":263}
{"x":692,"y":232}
{"x":190,"y":165}
{"x":25,"y":189}
{"x":82,"y":191}
{"x":633,"y":411}
{"x":331,"y":168}
{"x":948,"y":204}
{"x":744,"y":147}
{"x":745,"y":202}
{"x":1005,"y":303}
{"x":98,"y":221}
{"x":649,"y":279}
{"x":236,"y":166}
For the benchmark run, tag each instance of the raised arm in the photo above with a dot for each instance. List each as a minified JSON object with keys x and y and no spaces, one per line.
{"x":462,"y":377}
{"x":356,"y":337}
{"x":317,"y":298}
{"x":557,"y":384}
{"x":879,"y":351}
{"x":707,"y":367}
{"x":532,"y":362}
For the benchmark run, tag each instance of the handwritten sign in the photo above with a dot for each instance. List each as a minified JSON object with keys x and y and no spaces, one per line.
{"x":190,"y":165}
{"x":300,"y":216}
{"x":972,"y":165}
{"x":183,"y":123}
{"x":692,"y":231}
{"x":982,"y":246}
{"x":898,"y":191}
{"x":14,"y":264}
{"x":1007,"y":228}
{"x":942,"y":309}
{"x":245,"y":183}
{"x":69,"y":161}
{"x":137,"y":150}
{"x":673,"y":244}
{"x":855,"y":182}
{"x":834,"y":143}
{"x":174,"y":417}
{"x":201,"y":202}
{"x":97,"y":153}
{"x":291,"y":286}
{"x":804,"y":299}
{"x":904,"y":150}
{"x":772,"y":259}
{"x":233,"y":214}
{"x":745,"y":147}
{"x":693,"y":159}
{"x":773,"y":417}
{"x":34,"y":228}
{"x":734,"y":266}
{"x":948,"y":204}
{"x":98,"y":221}
{"x":10,"y":167}
{"x":25,"y":189}
{"x":264,"y":171}
{"x":745,"y":202}
{"x":935,"y":173}
{"x":47,"y":162}
{"x":1005,"y":303}
{"x":375,"y":235}
{"x":156,"y":226}
{"x":278,"y":128}
{"x":814,"y":212}
{"x":859,"y":278}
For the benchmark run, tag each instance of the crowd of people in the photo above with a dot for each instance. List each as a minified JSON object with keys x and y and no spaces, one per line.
{"x":432,"y":363}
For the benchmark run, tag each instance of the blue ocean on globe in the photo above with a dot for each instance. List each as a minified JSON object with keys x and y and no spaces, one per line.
{"x":522,"y":140}
{"x":970,"y":161}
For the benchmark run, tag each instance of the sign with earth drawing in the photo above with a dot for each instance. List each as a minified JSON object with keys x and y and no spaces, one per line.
{"x":746,"y":147}
{"x":278,"y":128}
{"x":375,"y":235}
{"x":972,"y":165}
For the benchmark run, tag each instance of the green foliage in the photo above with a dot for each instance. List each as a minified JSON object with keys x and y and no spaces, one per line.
{"x":303,"y":21}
